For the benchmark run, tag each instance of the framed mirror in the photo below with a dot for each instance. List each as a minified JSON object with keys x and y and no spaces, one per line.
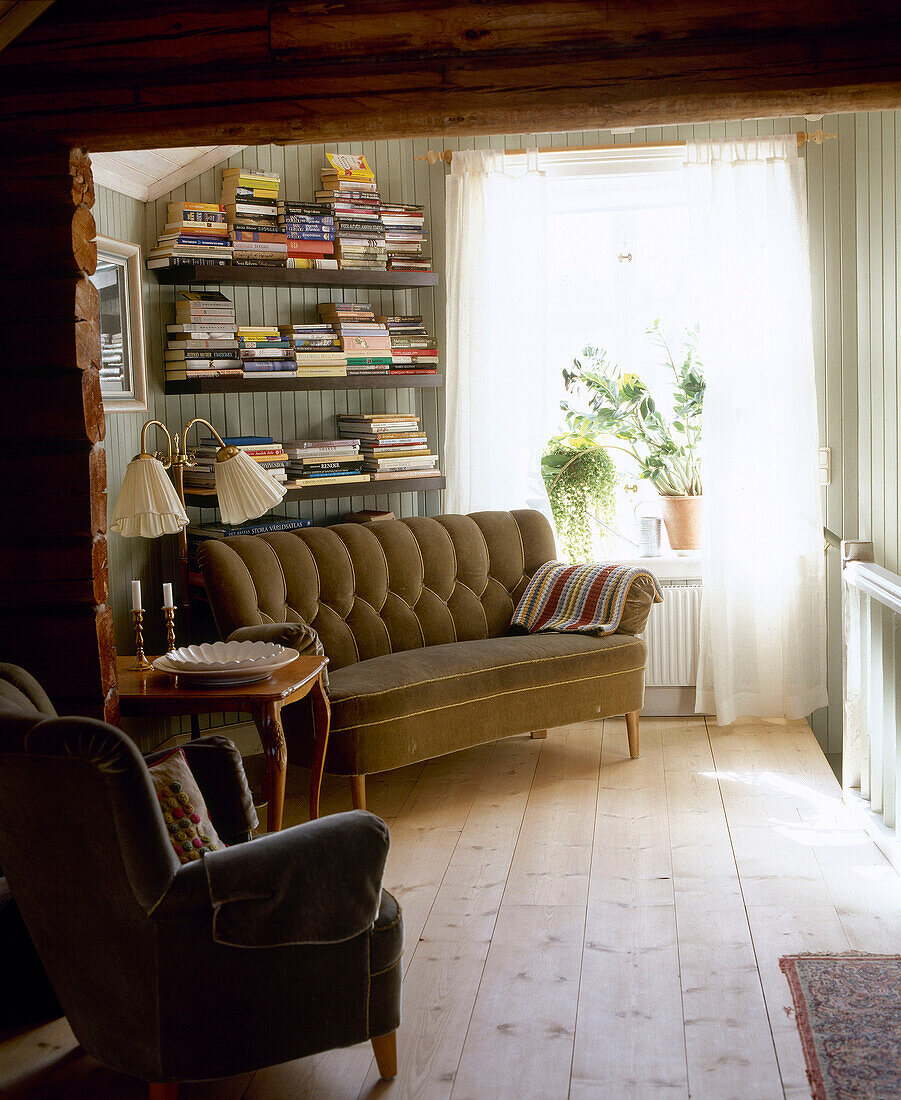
{"x":123,"y":377}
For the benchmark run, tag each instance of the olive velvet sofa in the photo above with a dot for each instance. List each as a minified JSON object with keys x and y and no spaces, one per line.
{"x":414,"y":616}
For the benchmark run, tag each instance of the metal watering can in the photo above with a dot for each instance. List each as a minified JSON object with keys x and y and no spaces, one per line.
{"x":648,"y":531}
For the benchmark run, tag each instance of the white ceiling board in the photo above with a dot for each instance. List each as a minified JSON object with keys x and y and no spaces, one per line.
{"x":146,"y":174}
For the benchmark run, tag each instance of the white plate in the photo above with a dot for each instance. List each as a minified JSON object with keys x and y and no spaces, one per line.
{"x":224,"y":677}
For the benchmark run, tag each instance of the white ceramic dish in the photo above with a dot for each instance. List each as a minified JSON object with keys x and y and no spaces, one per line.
{"x":223,"y":656}
{"x":223,"y":677}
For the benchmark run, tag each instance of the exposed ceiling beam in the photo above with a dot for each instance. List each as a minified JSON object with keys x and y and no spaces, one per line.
{"x":178,"y":73}
{"x":17,"y":16}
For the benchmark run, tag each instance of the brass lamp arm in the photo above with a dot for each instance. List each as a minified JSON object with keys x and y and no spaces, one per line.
{"x":167,"y":461}
{"x":185,"y":460}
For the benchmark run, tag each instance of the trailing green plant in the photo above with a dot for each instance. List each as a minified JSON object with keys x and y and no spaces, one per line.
{"x":621,"y":407}
{"x":581,"y":478}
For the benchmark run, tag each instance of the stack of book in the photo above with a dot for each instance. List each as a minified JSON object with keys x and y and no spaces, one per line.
{"x":404,"y":237}
{"x":250,"y":200}
{"x":196,"y":233}
{"x":261,"y":448}
{"x":310,"y":231}
{"x":392,"y":444}
{"x":112,"y":362}
{"x":203,"y":341}
{"x":265,"y":352}
{"x":365,"y":342}
{"x":317,"y":350}
{"x":413,"y":350}
{"x":325,"y":462}
{"x":350,"y":193}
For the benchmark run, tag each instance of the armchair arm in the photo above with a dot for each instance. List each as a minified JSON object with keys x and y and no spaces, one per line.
{"x":299,"y":636}
{"x":637,"y":607}
{"x":315,"y":883}
{"x":217,"y":766}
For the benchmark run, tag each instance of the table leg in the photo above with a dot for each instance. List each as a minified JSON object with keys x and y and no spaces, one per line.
{"x":321,"y":721}
{"x":269,"y":723}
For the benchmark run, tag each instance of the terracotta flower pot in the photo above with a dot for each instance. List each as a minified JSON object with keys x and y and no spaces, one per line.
{"x":682,"y":516}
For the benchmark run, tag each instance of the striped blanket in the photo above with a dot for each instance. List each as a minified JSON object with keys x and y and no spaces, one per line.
{"x":585,"y":599}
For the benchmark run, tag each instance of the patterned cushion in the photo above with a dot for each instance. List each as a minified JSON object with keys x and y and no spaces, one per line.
{"x":585,"y":599}
{"x":183,"y":808}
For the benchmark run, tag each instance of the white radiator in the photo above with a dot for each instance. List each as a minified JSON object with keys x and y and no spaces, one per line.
{"x":672,"y":636}
{"x":672,"y":640}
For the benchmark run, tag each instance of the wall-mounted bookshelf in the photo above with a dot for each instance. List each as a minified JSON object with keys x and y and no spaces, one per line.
{"x":185,"y":275}
{"x":207,"y":498}
{"x":310,"y":278}
{"x":351,"y":382}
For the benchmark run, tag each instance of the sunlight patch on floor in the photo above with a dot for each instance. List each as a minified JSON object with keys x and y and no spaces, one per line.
{"x":830,"y":824}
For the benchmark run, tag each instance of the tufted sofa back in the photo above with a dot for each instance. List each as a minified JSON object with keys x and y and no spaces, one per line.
{"x":382,"y":587}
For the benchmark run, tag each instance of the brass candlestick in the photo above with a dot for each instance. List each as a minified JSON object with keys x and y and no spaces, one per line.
{"x":169,"y":614}
{"x":140,"y":663}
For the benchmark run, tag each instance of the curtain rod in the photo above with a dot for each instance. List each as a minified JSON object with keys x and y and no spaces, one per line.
{"x":446,"y":156}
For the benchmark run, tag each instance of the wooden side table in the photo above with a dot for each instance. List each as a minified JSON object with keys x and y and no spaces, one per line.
{"x":156,"y":694}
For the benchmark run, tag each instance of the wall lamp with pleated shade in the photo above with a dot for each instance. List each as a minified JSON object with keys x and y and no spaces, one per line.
{"x":149,"y":505}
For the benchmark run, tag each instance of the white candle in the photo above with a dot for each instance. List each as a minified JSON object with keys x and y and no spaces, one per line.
{"x":167,"y":595}
{"x":136,"y":596}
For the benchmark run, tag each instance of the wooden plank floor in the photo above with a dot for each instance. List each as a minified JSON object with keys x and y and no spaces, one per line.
{"x":582,"y":924}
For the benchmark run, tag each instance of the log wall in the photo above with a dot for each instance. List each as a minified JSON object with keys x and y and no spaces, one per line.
{"x":54,"y":584}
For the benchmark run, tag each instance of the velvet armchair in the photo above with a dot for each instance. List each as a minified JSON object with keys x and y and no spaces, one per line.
{"x":259,"y":953}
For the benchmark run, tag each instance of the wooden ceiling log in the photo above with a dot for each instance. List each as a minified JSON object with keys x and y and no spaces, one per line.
{"x":534,"y":100}
{"x":112,"y":37}
{"x":394,"y":29}
{"x":176,"y":73}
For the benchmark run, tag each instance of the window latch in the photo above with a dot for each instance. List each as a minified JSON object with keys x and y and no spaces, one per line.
{"x":625,"y":257}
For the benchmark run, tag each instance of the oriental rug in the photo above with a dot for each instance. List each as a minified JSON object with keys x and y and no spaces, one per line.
{"x":848,"y":1012}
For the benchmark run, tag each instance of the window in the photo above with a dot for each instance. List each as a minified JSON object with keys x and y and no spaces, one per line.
{"x":618,"y":260}
{"x":122,"y":371}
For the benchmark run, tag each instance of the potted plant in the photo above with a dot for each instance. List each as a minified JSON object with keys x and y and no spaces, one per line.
{"x":581,"y":479}
{"x":665,"y":448}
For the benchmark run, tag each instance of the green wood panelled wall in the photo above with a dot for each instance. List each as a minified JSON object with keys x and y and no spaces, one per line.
{"x":853,"y":205}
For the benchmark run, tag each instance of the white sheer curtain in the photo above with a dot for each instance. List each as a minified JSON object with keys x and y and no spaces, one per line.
{"x":498,"y":402}
{"x":763,"y":609}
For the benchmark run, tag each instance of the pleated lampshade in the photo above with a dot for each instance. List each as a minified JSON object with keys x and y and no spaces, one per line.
{"x":148,"y":504}
{"x":245,"y":490}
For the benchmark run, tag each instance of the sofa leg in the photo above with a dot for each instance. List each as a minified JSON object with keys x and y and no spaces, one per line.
{"x":358,"y":791}
{"x":166,"y":1090}
{"x":385,"y":1049}
{"x":632,"y":731}
{"x":538,"y":734}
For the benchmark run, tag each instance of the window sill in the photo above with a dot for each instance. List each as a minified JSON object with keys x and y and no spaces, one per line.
{"x":668,"y":567}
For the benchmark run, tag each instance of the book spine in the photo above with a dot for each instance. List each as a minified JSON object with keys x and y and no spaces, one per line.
{"x":198,"y":217}
{"x":210,"y":353}
{"x":258,"y":236}
{"x":226,"y":372}
{"x":303,"y":209}
{"x":318,"y":219}
{"x":269,"y":528}
{"x":304,"y":234}
{"x":201,"y":241}
{"x":186,"y":345}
